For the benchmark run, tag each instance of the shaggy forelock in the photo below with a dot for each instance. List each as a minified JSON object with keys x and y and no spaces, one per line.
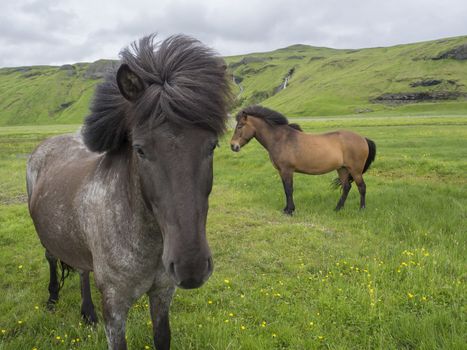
{"x":185,"y":81}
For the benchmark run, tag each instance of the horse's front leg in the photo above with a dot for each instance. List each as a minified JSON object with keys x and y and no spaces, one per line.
{"x":115,"y":310}
{"x":159,"y":301}
{"x":287,"y":181}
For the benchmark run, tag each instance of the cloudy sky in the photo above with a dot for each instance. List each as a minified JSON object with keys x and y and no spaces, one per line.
{"x":68,"y":31}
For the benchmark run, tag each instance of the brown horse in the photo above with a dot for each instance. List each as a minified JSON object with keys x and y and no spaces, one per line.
{"x":127,"y":198}
{"x":292,"y":150}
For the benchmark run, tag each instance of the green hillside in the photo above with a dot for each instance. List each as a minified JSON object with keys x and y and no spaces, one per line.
{"x":48,"y":95}
{"x":343,"y":82}
{"x":421,"y":78}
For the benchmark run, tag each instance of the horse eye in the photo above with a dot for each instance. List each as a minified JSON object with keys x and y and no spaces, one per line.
{"x":213,"y":147}
{"x":139,"y":150}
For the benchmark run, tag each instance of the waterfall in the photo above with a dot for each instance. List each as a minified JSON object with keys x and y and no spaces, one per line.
{"x":240,"y":87}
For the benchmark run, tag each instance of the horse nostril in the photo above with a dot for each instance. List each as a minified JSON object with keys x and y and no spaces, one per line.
{"x":172,"y":269}
{"x":188,"y":278}
{"x":210,"y":266}
{"x":235,"y":148}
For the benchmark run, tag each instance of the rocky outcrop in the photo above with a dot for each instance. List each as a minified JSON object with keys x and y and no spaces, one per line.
{"x":426,"y":82}
{"x":98,"y":69}
{"x":457,"y":53}
{"x":407,"y":97}
{"x":250,"y":70}
{"x":247,"y":60}
{"x":69,"y":69}
{"x":363,"y":110}
{"x":316,"y":58}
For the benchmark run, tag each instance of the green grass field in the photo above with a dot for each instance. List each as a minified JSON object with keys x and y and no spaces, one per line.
{"x":390,"y":277}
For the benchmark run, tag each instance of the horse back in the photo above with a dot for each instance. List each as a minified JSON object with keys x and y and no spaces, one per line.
{"x":322,"y":153}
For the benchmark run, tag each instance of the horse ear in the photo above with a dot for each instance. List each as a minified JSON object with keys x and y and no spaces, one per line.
{"x":244,"y":116}
{"x":131,"y":86}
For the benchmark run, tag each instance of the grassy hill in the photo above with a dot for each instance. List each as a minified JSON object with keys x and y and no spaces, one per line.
{"x":422,"y":78}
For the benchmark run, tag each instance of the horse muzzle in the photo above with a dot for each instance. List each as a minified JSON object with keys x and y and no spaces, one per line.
{"x":191,"y":275}
{"x":235,"y":147}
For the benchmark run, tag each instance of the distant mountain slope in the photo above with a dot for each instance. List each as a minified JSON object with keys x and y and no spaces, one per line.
{"x":300,"y":80}
{"x":48,"y":95}
{"x":428,"y":77}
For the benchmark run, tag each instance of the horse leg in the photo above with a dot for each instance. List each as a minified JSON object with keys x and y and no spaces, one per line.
{"x":115,"y":311}
{"x":344,"y":178}
{"x":159,"y":300}
{"x":54,"y":287}
{"x":358,"y":178}
{"x":287,"y":181}
{"x":87,"y":306}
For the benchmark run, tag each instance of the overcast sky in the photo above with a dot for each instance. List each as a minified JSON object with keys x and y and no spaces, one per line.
{"x":64,"y":31}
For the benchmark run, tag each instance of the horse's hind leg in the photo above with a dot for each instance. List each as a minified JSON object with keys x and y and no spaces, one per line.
{"x":87,"y":306}
{"x":159,"y":300}
{"x":358,"y":178}
{"x":54,"y":287}
{"x":345,"y":183}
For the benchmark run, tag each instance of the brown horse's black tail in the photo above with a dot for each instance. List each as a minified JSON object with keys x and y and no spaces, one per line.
{"x":371,"y":154}
{"x":336,"y":183}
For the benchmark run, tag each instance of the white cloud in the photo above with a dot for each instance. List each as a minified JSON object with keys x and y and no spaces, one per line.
{"x":66,"y":31}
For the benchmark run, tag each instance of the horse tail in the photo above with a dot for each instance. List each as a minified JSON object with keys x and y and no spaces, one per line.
{"x":371,"y":154}
{"x":295,"y":126}
{"x":336,"y":183}
{"x":65,"y":270}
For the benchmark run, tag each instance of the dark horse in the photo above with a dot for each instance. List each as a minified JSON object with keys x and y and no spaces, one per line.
{"x":128,"y":197}
{"x":292,"y":150}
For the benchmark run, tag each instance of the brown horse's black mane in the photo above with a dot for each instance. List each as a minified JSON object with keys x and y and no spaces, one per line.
{"x":185,"y":82}
{"x":268,"y":115}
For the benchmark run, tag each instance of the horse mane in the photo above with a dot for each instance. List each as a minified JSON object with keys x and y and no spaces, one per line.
{"x":268,"y":115}
{"x":185,"y":82}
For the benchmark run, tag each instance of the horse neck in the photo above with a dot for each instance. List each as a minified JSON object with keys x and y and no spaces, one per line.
{"x":123,"y":165}
{"x":267,"y":135}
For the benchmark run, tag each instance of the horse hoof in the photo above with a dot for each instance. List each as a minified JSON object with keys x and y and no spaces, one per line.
{"x":90,"y":319}
{"x":50,"y":304}
{"x":288,"y":212}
